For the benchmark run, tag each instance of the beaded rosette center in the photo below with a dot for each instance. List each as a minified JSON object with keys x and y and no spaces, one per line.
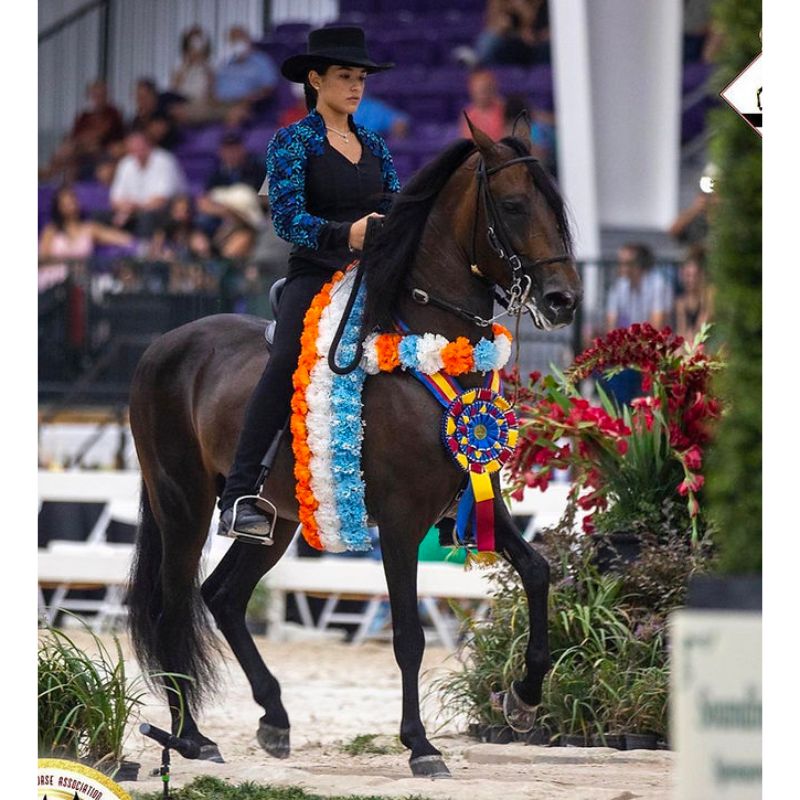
{"x":480,"y":430}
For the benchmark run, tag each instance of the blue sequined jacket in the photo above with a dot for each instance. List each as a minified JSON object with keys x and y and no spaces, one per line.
{"x":287,"y":154}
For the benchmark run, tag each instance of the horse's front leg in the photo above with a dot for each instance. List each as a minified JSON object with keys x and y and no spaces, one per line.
{"x":522,"y":697}
{"x":399,"y":548}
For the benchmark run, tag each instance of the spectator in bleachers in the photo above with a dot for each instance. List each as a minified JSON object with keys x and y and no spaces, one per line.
{"x":543,"y":129}
{"x":177,"y":238}
{"x":96,"y":129}
{"x":235,"y":165}
{"x":242,"y":222}
{"x":695,"y":303}
{"x":69,"y":236}
{"x":145,"y":181}
{"x":692,"y":224}
{"x":153,"y":115}
{"x":486,"y":108}
{"x":515,"y":32}
{"x":381,"y":118}
{"x":639,"y":293}
{"x":194,"y":77}
{"x":249,"y":77}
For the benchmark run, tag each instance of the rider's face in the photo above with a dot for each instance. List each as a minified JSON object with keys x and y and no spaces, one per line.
{"x":340,"y":88}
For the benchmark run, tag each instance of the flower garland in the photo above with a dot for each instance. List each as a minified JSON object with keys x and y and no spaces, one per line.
{"x":301,"y":381}
{"x":327,"y":425}
{"x":430,"y":353}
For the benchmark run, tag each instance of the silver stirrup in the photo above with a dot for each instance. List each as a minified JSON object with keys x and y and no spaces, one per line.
{"x":252,"y":538}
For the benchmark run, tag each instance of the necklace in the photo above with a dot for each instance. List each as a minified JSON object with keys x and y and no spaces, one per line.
{"x":345,"y":136}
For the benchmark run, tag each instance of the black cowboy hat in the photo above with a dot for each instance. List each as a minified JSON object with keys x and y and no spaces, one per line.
{"x":343,"y":46}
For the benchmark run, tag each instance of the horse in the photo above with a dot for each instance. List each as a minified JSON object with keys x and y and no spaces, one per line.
{"x":482,"y":216}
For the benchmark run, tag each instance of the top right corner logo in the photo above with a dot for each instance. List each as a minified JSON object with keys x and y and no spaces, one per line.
{"x":744,"y":94}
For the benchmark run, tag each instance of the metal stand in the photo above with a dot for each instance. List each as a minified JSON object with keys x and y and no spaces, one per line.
{"x":164,"y":772}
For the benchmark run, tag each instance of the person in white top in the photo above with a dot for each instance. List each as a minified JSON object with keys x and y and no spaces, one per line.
{"x":144,"y":182}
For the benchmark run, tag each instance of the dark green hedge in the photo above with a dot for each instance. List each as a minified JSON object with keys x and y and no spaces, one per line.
{"x":734,"y":466}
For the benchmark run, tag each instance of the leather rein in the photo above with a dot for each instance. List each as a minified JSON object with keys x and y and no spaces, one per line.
{"x":514,"y":299}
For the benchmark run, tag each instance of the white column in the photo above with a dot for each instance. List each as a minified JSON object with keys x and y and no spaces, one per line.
{"x":576,"y":142}
{"x":573,"y":108}
{"x":635,"y":64}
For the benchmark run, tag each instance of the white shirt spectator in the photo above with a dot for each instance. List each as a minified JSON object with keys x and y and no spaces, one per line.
{"x":627,"y":304}
{"x":161,"y":176}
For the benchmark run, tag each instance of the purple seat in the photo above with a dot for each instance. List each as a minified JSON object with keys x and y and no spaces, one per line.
{"x":363,"y":6}
{"x":257,"y":139}
{"x":291,"y":30}
{"x":92,"y":197}
{"x":694,"y":75}
{"x":200,"y":141}
{"x":198,"y":167}
{"x":46,"y":193}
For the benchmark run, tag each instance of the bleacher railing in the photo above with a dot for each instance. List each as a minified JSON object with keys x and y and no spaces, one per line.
{"x":96,"y":317}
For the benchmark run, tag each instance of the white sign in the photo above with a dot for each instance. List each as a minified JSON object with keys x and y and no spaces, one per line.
{"x":716,"y":704}
{"x":744,"y":94}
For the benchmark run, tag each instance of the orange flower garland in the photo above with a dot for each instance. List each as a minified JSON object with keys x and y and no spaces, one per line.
{"x":457,"y":357}
{"x":300,"y":381}
{"x":387,"y":346}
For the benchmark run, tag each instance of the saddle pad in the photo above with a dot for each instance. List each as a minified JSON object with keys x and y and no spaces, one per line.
{"x":327,"y":427}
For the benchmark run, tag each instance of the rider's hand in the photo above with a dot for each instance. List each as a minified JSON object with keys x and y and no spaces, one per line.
{"x":357,"y":231}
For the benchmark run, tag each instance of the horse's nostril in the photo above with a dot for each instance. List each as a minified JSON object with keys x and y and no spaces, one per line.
{"x":560,"y":301}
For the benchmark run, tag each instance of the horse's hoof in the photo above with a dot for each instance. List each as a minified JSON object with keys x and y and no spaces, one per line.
{"x":210,"y":752}
{"x":519,"y":716}
{"x":429,"y":767}
{"x":274,"y":740}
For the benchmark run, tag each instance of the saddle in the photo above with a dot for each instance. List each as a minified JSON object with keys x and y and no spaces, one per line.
{"x":274,"y":299}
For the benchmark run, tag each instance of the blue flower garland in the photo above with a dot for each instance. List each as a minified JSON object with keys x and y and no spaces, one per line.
{"x":346,"y":437}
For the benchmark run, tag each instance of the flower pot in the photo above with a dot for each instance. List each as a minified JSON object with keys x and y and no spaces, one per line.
{"x":640,"y":741}
{"x":614,"y":550}
{"x":540,"y":735}
{"x":498,"y":734}
{"x":574,"y":740}
{"x":613,"y":740}
{"x":663,"y":744}
{"x":124,"y":771}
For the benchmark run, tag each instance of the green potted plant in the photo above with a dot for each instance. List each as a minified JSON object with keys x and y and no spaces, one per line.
{"x":628,"y":465}
{"x":85,"y":703}
{"x":257,"y":608}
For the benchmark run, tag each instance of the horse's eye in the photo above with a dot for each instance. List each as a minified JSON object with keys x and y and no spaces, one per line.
{"x":513,"y":207}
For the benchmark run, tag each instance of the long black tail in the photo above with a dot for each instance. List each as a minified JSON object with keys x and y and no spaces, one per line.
{"x":169,"y":634}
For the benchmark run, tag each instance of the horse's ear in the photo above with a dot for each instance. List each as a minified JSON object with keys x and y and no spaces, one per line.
{"x":482,"y":139}
{"x":522,"y":127}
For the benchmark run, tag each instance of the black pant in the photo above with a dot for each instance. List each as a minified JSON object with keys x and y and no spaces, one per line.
{"x":269,"y":405}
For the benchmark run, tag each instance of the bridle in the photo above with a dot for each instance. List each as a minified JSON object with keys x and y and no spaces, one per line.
{"x":517,"y":298}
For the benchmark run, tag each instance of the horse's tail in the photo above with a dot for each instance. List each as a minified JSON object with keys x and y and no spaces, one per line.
{"x":170,"y":633}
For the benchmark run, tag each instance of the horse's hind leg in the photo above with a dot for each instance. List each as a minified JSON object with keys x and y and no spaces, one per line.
{"x":399,"y":547}
{"x":523,"y":696}
{"x":185,"y":640}
{"x":226,"y":593}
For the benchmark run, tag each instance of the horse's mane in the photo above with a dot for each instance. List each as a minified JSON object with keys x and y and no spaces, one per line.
{"x":392,"y":252}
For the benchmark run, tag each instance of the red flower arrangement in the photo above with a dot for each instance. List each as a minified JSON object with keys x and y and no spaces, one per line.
{"x":624,"y":463}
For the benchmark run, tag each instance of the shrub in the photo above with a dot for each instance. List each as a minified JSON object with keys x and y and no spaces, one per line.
{"x":84,"y":701}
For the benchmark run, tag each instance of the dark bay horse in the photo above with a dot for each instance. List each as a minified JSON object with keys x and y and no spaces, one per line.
{"x":482,"y":215}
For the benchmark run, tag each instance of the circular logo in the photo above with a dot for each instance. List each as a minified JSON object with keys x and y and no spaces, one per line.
{"x":480,"y":430}
{"x":58,"y":779}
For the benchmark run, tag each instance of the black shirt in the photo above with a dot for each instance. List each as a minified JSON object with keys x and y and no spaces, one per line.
{"x":341,"y":192}
{"x":251,"y":173}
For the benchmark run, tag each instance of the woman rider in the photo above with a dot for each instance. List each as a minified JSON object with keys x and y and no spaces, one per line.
{"x":326,"y":176}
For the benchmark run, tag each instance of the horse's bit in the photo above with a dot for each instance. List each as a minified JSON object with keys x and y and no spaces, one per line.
{"x":516,"y":297}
